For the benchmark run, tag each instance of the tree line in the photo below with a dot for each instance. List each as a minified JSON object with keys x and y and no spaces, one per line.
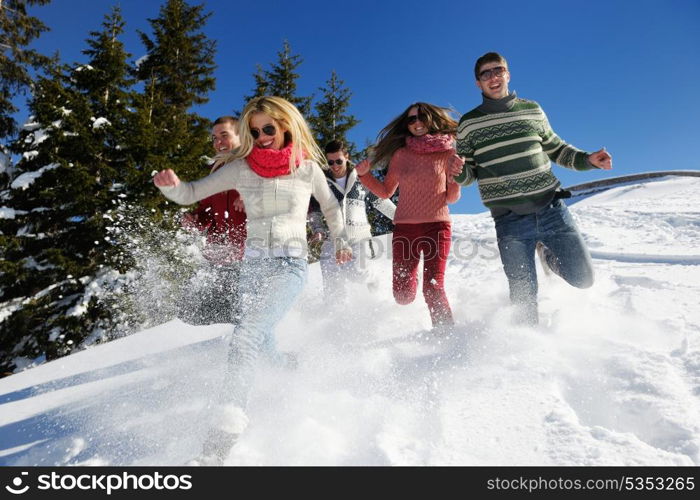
{"x":75,"y":190}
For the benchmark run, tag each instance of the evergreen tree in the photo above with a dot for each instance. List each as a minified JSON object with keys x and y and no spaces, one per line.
{"x":57,"y":251}
{"x":177,"y":73}
{"x":50,"y":253}
{"x":104,"y":81}
{"x":281,"y":79}
{"x":261,"y":84}
{"x":17,"y":31}
{"x":331,"y":121}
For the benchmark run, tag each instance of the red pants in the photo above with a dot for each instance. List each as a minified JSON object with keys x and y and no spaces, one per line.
{"x":433,"y":240}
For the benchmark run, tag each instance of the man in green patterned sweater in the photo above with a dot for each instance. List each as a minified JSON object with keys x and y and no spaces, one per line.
{"x":508,"y":146}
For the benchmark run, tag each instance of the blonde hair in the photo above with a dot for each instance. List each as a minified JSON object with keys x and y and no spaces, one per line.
{"x":290,"y":119}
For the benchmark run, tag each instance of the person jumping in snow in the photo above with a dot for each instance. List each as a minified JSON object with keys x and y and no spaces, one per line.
{"x":419,"y":146}
{"x":508,"y":146}
{"x":276,"y":169}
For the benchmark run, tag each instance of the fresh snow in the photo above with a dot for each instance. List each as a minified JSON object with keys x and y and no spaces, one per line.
{"x":26,"y":179}
{"x":611,"y":377}
{"x":32,"y":264}
{"x":31,"y":125}
{"x":141,"y":60}
{"x":37,"y":137}
{"x":10,"y":213}
{"x":100,"y":122}
{"x":5,"y":162}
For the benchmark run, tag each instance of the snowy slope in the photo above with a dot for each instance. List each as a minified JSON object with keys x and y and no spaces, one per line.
{"x":611,"y":377}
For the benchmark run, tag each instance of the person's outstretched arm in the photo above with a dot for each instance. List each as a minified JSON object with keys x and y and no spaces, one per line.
{"x":566,"y":155}
{"x":186,"y":193}
{"x":382,"y":189}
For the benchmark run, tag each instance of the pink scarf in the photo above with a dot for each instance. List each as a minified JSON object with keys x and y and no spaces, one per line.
{"x":271,"y":162}
{"x":428,"y":143}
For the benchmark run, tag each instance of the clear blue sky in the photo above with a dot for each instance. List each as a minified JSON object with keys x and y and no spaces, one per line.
{"x":612,"y":73}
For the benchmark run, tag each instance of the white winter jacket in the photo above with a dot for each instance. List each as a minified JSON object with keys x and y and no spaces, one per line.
{"x":352,"y":200}
{"x":276,"y":207}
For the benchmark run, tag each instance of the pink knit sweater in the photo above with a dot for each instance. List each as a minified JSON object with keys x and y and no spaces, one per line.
{"x":425,"y":191}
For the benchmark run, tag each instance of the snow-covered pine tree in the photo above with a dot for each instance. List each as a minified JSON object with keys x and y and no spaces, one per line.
{"x":177,"y":73}
{"x":331,"y":120}
{"x":51,"y":246}
{"x":17,"y":30}
{"x":57,"y":260}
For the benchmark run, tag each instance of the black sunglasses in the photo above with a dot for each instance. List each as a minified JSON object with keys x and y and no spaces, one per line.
{"x":267,"y":130}
{"x":411,"y":119}
{"x":336,"y":162}
{"x":488,"y":73}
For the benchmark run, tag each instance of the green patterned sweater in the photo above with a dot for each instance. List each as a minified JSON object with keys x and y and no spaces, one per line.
{"x":508,"y":146}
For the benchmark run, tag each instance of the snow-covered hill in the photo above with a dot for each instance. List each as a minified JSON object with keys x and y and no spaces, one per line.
{"x":611,"y":377}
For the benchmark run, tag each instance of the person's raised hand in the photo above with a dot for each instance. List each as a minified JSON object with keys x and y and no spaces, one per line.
{"x":363,"y":167}
{"x":601,"y":159}
{"x":166,"y":178}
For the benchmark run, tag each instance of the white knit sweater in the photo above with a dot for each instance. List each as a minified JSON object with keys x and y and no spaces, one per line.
{"x":276,"y":207}
{"x":353,"y":199}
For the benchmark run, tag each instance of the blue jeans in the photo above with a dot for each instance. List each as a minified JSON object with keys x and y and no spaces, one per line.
{"x":567,"y":253}
{"x":269,"y":287}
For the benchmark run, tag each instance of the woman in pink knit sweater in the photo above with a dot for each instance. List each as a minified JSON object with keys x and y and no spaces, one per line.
{"x":419,"y":146}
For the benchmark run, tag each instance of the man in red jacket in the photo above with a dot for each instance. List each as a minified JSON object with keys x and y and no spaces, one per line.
{"x":221,"y":217}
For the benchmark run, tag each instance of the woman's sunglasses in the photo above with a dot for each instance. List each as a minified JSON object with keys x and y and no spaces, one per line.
{"x":411,"y":119}
{"x":269,"y":130}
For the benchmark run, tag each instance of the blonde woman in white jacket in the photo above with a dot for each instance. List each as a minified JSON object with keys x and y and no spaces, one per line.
{"x":276,"y":170}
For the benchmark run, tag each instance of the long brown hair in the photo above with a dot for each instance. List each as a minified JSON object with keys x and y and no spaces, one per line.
{"x":438,"y":120}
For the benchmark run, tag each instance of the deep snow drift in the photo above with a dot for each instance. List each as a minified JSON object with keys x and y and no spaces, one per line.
{"x":611,"y":377}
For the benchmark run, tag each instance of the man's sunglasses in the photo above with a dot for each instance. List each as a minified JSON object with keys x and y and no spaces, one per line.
{"x":267,"y":130}
{"x":411,"y":119}
{"x":336,"y":162}
{"x":487,"y":74}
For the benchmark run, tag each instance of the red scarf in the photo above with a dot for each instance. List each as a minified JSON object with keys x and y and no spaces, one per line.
{"x":429,"y":143}
{"x":271,"y":162}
